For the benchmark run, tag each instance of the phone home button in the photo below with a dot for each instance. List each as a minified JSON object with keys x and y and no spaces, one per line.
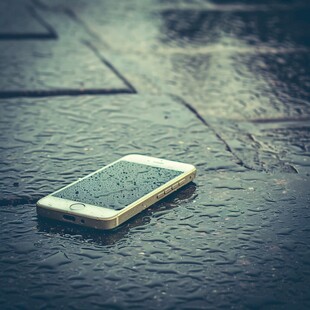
{"x":77,"y":206}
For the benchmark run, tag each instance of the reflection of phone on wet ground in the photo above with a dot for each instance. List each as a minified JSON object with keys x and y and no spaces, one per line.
{"x":117,"y":192}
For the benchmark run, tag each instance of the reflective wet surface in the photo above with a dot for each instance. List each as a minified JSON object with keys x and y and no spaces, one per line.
{"x":223,"y":85}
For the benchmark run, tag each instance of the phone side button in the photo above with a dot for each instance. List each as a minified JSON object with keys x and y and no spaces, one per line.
{"x":160,"y":195}
{"x":167,"y":190}
{"x":174,"y":186}
{"x":181,"y":182}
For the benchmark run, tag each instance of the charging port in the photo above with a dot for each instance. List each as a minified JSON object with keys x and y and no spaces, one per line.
{"x":69,"y":217}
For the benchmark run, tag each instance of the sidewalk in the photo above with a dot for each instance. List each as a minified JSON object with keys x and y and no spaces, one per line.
{"x":223,"y":85}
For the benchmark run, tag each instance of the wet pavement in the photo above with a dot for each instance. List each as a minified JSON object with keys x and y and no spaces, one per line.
{"x":223,"y":85}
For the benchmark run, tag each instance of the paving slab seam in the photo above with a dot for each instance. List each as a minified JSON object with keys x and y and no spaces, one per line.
{"x":289,"y":168}
{"x":239,"y":161}
{"x":73,"y":16}
{"x":62,"y":92}
{"x":28,"y":36}
{"x":109,"y":65}
{"x":44,"y":23}
{"x":43,"y":6}
{"x":50,"y":35}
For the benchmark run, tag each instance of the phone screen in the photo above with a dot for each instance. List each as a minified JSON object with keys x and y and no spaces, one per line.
{"x":118,"y":185}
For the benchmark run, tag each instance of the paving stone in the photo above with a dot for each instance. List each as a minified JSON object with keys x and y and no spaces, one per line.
{"x":18,"y":20}
{"x":46,"y":143}
{"x":278,"y":145}
{"x":48,"y":68}
{"x":69,"y":65}
{"x":289,"y":140}
{"x":65,"y":21}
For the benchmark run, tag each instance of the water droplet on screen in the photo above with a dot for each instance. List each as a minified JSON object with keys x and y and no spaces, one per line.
{"x":132,"y":180}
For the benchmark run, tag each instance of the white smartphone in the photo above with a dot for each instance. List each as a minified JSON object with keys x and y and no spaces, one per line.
{"x":113,"y":194}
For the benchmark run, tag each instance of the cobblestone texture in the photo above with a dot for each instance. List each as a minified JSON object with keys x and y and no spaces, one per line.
{"x":223,"y":85}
